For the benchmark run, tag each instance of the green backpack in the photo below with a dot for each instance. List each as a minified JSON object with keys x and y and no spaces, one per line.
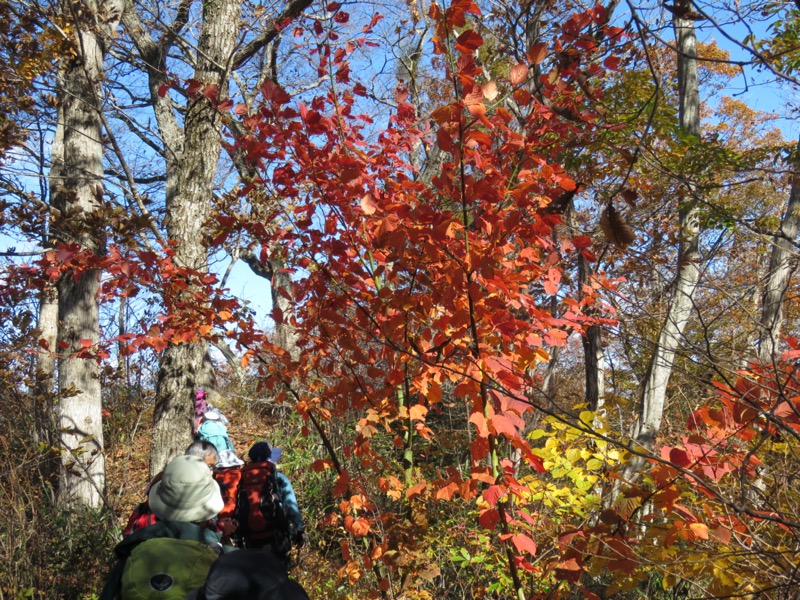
{"x":166,"y":569}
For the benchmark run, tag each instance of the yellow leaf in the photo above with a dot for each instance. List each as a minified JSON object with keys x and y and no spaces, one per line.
{"x":593,"y":464}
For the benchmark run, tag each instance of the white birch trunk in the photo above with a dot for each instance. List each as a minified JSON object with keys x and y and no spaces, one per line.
{"x":688,"y":268}
{"x":781,"y":267}
{"x":77,"y":190}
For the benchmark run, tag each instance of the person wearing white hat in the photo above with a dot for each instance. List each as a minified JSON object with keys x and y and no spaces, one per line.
{"x":184,"y":500}
{"x":186,"y":492}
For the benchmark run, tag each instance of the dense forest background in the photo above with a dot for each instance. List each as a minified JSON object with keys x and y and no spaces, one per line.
{"x":513,"y":283}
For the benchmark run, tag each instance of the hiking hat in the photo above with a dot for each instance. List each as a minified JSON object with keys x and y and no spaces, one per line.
{"x":228,"y":458}
{"x":262,"y":452}
{"x":186,"y":492}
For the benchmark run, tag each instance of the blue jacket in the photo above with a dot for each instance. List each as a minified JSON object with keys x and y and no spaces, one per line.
{"x":289,"y":500}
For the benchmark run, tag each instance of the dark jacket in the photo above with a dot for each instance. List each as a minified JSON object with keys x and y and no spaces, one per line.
{"x":250,"y":574}
{"x":162,"y":529}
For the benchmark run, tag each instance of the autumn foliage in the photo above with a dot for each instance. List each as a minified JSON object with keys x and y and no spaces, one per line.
{"x":431,"y":280}
{"x":419,"y":288}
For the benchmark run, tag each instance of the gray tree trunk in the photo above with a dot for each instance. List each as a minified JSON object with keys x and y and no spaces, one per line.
{"x":191,"y":152}
{"x":283,"y":308}
{"x":688,"y":268}
{"x":77,"y":196}
{"x":781,"y":267}
{"x":186,"y":367}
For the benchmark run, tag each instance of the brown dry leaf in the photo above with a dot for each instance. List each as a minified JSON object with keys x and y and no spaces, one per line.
{"x":614,"y":227}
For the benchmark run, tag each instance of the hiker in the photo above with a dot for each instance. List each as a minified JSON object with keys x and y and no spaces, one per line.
{"x":176,"y":552}
{"x":266,"y":509}
{"x":251,"y":574}
{"x":200,"y":408}
{"x":227,"y":474}
{"x":213,"y":428}
{"x":142,"y":516}
{"x":205,"y":450}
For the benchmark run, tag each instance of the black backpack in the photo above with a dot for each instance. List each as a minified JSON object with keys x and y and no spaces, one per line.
{"x":260,"y":512}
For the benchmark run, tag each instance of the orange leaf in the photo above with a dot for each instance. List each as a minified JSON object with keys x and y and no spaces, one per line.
{"x":416,"y":490}
{"x":342,"y":483}
{"x":368,"y":204}
{"x":489,"y":518}
{"x":518,"y":73}
{"x":537,"y":53}
{"x":569,"y":569}
{"x":469,"y":41}
{"x":360,"y":527}
{"x":524,"y":543}
{"x":502,"y":424}
{"x":447,"y":492}
{"x":699,"y":530}
{"x":445,"y":114}
{"x":493,"y":493}
{"x":567,"y":184}
{"x":489,"y":90}
{"x":417,"y":412}
{"x":551,"y":281}
{"x":479,"y":112}
{"x":479,"y":421}
{"x":434,"y":392}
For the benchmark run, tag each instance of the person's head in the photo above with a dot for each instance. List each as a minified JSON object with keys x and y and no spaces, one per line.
{"x":205,"y":450}
{"x":263,"y":452}
{"x":186,"y":492}
{"x":228,"y":458}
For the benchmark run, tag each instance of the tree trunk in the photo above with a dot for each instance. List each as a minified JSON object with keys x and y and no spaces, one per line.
{"x":688,"y":268}
{"x":44,"y":430}
{"x":283,"y":309}
{"x":282,"y":296}
{"x":77,"y":194}
{"x":186,"y":367}
{"x":781,"y":266}
{"x":593,"y":357}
